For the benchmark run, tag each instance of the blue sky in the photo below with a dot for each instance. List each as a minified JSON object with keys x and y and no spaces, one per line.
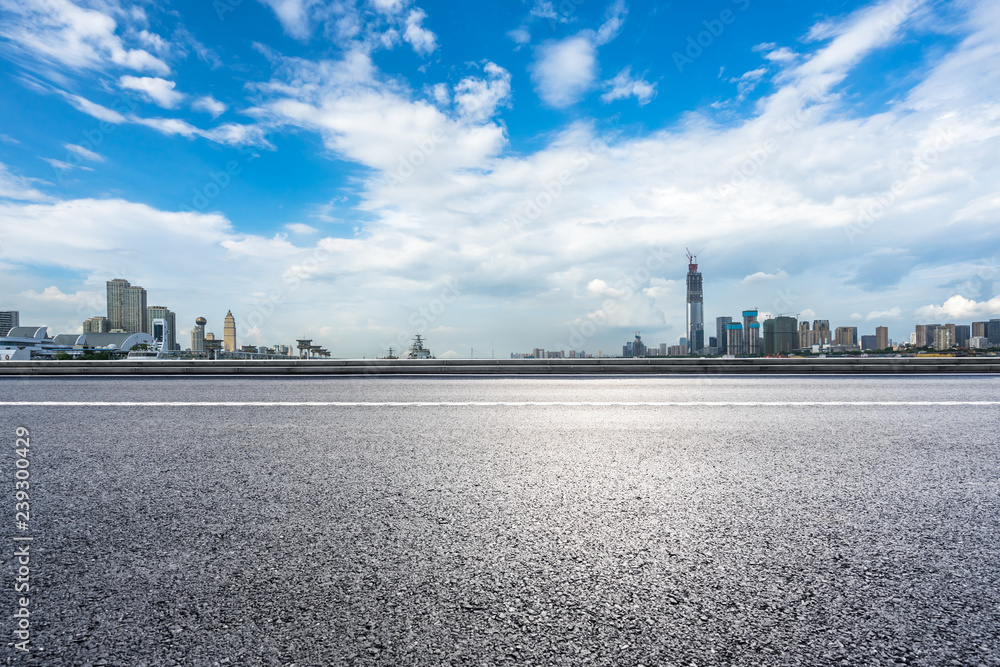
{"x":499,"y":176}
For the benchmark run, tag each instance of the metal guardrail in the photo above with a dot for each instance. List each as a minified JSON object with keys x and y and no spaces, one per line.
{"x":603,"y":366}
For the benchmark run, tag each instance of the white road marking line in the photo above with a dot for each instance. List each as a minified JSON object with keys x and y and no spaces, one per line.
{"x":487,"y":404}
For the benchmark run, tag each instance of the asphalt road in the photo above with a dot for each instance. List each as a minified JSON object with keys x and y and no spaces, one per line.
{"x":508,"y":534}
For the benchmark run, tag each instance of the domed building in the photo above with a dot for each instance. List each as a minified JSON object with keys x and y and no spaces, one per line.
{"x":198,"y":335}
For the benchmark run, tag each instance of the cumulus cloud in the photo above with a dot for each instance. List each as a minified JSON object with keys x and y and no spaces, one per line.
{"x":160,"y":91}
{"x":210,"y":105}
{"x":625,"y":85}
{"x":295,"y":16}
{"x":565,"y":70}
{"x":477,"y":99}
{"x":960,"y":308}
{"x":421,"y":39}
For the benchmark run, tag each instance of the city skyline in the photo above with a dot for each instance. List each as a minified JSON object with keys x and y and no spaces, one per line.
{"x":357,"y":173}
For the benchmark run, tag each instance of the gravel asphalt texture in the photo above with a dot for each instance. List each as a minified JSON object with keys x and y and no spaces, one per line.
{"x":555,"y":535}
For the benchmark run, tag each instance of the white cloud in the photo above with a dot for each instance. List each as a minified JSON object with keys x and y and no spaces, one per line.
{"x":891,"y":314}
{"x":960,"y":308}
{"x":84,"y":153}
{"x":389,"y":6}
{"x":95,"y":110}
{"x":61,"y":33}
{"x":775,"y":54}
{"x":520,"y":36}
{"x":543,"y":9}
{"x":210,"y":105}
{"x":762,"y":277}
{"x":857,"y":316}
{"x":422,"y":40}
{"x":564,"y":71}
{"x":625,"y":85}
{"x":160,"y":91}
{"x":615,"y":19}
{"x":294,"y":15}
{"x":230,"y":134}
{"x":299,"y":228}
{"x":477,"y":99}
{"x":17,"y":187}
{"x":748,"y":81}
{"x":64,"y":166}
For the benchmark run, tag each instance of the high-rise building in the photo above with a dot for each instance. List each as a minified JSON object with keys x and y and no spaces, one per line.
{"x":993,"y":332}
{"x":821,"y":333}
{"x":881,"y":338}
{"x":126,"y":306}
{"x":695,"y":306}
{"x":198,"y":335}
{"x":979,"y":329}
{"x":925,"y":334}
{"x":962,"y":334}
{"x":116,"y":303}
{"x":805,"y":336}
{"x":720,"y":333}
{"x":943,"y":338}
{"x":8,"y":320}
{"x":229,"y":333}
{"x":135,"y":310}
{"x":734,"y":339}
{"x":868,"y":343}
{"x":163,"y":313}
{"x":96,"y":324}
{"x":780,"y":335}
{"x":751,"y":332}
{"x":846,"y":336}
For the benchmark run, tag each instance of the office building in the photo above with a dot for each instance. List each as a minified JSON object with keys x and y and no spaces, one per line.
{"x":882,"y":338}
{"x":96,"y":324}
{"x":993,"y":333}
{"x":229,"y":333}
{"x":8,"y":320}
{"x":868,"y":343}
{"x":163,"y":313}
{"x":979,"y":343}
{"x":963,"y":332}
{"x":980,"y":329}
{"x":695,"y":304}
{"x":720,"y":333}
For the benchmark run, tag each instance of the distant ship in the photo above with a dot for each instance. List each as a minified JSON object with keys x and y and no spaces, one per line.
{"x":417,"y":350}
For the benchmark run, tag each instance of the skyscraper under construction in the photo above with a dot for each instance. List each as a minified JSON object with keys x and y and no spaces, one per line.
{"x":695,"y":307}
